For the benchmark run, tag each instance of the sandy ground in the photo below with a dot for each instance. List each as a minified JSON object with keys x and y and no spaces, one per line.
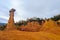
{"x":22,"y":35}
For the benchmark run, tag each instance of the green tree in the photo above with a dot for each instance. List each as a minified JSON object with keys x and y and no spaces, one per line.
{"x":55,"y":18}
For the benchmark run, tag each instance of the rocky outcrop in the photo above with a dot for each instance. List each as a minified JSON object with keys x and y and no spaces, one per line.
{"x":10,"y":24}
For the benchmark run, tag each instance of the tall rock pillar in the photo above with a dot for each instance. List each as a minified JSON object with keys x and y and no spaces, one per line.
{"x":10,"y":24}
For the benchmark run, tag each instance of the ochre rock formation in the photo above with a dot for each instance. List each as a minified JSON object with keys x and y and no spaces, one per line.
{"x":10,"y":24}
{"x":31,"y":26}
{"x":50,"y":26}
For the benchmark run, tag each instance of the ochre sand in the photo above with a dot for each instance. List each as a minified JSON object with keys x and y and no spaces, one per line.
{"x":23,"y":35}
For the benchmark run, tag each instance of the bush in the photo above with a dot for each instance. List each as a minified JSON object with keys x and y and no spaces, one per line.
{"x":2,"y":27}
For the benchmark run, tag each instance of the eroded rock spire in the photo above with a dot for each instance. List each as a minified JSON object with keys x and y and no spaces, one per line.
{"x":10,"y":24}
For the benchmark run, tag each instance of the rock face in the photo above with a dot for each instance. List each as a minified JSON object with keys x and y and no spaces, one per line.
{"x":50,"y":26}
{"x":10,"y":24}
{"x":31,"y":26}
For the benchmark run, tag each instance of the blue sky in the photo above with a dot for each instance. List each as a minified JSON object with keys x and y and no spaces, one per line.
{"x":28,"y":9}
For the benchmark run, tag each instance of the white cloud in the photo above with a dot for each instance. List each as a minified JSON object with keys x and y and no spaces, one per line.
{"x":33,"y":8}
{"x":42,"y":8}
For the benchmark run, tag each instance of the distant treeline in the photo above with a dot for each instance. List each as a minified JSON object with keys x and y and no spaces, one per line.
{"x":39,"y":20}
{"x":56,"y":18}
